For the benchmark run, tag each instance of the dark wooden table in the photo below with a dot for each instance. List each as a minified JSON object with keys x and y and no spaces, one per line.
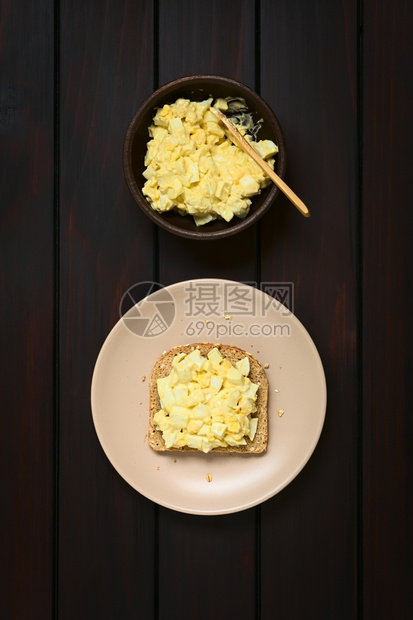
{"x":77,"y":541}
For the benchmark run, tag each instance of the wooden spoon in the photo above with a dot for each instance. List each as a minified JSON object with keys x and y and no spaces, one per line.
{"x":243,"y":144}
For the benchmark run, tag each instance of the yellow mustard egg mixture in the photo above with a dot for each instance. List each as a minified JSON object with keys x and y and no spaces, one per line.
{"x":194,"y":168}
{"x":206,"y":402}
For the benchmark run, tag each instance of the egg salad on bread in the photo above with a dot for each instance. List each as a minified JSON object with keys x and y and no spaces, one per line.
{"x":207,"y":398}
{"x":194,"y":168}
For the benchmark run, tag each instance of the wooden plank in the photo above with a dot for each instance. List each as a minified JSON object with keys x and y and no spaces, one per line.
{"x":106,"y":529}
{"x":26,"y":279}
{"x":310,"y":528}
{"x":207,"y":37}
{"x":216,"y":555}
{"x":202,"y":38}
{"x":207,"y":565}
{"x":387,"y":311}
{"x":233,"y":258}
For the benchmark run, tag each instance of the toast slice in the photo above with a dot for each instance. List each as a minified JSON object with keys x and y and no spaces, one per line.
{"x":257,"y":375}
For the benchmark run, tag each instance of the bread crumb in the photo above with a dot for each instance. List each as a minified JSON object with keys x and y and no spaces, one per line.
{"x":158,"y":468}
{"x":280,"y":412}
{"x":228,"y":317}
{"x":277,"y":391}
{"x":174,"y":460}
{"x":266,"y":365}
{"x":143,"y":378}
{"x":208,"y":477}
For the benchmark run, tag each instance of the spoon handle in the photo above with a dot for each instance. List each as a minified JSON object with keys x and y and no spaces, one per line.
{"x":243,"y":144}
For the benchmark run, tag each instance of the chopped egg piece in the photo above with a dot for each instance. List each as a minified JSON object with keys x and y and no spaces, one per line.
{"x":193,"y":167}
{"x":206,"y":402}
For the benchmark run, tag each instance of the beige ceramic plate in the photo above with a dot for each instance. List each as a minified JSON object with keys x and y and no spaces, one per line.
{"x":209,"y":310}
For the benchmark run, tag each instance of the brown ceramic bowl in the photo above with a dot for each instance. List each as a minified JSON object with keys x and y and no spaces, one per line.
{"x":199,"y":88}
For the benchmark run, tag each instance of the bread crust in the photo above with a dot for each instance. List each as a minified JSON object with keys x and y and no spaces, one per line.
{"x":162,"y":368}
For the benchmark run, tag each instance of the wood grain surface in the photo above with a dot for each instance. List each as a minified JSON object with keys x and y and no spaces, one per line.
{"x":319,"y":257}
{"x":27,"y":311}
{"x":387,"y":333}
{"x":77,"y":540}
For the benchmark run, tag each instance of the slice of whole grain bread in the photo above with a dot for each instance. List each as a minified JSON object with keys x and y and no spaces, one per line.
{"x":162,"y":368}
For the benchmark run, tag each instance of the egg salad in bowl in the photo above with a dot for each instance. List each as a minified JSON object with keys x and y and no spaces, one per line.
{"x":183,"y":170}
{"x":194,"y":168}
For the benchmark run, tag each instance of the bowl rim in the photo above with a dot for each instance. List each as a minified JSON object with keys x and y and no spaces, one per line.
{"x":150,"y":103}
